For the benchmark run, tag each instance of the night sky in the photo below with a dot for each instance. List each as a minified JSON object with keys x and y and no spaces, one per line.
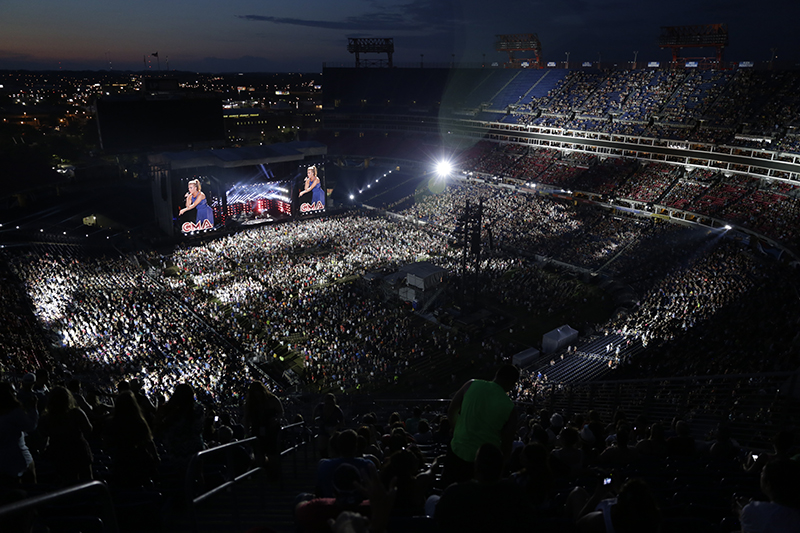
{"x":301,"y":35}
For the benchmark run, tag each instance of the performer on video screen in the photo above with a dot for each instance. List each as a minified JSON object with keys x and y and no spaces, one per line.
{"x":314,"y":186}
{"x":196,"y":199}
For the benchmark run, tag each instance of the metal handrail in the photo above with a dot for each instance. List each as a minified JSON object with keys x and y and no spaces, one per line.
{"x":217,"y":450}
{"x":99,"y":488}
{"x":190,"y":476}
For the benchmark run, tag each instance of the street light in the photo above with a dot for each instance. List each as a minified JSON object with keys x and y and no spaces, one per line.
{"x":566,"y":65}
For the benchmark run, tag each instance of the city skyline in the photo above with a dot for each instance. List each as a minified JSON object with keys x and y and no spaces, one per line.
{"x":252,"y":36}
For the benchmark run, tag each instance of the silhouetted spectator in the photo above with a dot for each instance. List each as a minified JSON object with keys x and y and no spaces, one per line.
{"x":682,"y":444}
{"x":329,"y":419}
{"x":344,"y":446}
{"x":263,"y":413}
{"x":781,"y":514}
{"x":655,"y":445}
{"x":486,"y":503}
{"x":16,"y":420}
{"x":65,"y":427}
{"x":179,"y":423}
{"x":134,"y":455}
{"x":633,"y":510}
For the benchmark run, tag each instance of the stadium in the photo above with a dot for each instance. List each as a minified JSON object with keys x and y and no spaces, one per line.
{"x":627,"y":238}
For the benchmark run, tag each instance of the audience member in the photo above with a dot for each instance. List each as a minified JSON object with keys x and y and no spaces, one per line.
{"x":16,"y":421}
{"x":486,"y":503}
{"x":134,"y":455}
{"x":65,"y":427}
{"x":782,"y":512}
{"x":483,"y":413}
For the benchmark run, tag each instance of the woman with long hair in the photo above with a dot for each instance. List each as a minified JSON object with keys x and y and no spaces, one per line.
{"x":196,"y":199}
{"x":330,"y":419}
{"x":263,"y":412}
{"x":314,"y":186}
{"x":66,"y":427}
{"x":16,"y":420}
{"x":133,"y":452}
{"x":179,"y":423}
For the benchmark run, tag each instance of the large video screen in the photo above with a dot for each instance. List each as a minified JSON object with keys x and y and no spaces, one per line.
{"x":248,"y":196}
{"x":311,"y":195}
{"x":256,"y":203}
{"x":200,"y":207}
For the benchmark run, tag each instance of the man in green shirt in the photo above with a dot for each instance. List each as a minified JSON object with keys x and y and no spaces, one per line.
{"x":480,"y":412}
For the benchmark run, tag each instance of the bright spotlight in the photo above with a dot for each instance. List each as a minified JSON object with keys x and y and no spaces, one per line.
{"x":728,"y":226}
{"x":352,"y":196}
{"x":444,"y":168}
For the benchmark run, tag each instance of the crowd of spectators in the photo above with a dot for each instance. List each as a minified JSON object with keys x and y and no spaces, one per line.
{"x":766,"y":206}
{"x":649,"y":183}
{"x":172,"y":351}
{"x":697,"y":91}
{"x":553,"y":470}
{"x":106,"y":315}
{"x":704,"y":106}
{"x":532,"y":164}
{"x":285,"y":289}
{"x":692,"y":295}
{"x":679,"y":287}
{"x":161,"y":354}
{"x":724,"y":192}
{"x":605,"y":177}
{"x":502,"y":157}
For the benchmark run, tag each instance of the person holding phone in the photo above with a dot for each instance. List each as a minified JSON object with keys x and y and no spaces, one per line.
{"x":632,"y":510}
{"x":782,"y":511}
{"x":782,"y":442}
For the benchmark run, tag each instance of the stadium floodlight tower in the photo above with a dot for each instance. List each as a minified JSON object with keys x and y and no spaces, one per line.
{"x":522,"y":42}
{"x":702,"y":36}
{"x":371,"y":45}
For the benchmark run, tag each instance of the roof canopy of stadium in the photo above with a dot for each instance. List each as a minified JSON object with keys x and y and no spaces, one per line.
{"x":239,"y":157}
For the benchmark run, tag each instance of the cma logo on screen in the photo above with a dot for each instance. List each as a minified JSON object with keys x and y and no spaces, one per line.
{"x":305,"y":208}
{"x":191,"y":226}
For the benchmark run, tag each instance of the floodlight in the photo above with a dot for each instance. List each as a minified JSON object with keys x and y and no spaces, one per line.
{"x":444,"y":168}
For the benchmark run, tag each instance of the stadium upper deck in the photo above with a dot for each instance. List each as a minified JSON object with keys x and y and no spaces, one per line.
{"x":738,"y":128}
{"x":748,"y":108}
